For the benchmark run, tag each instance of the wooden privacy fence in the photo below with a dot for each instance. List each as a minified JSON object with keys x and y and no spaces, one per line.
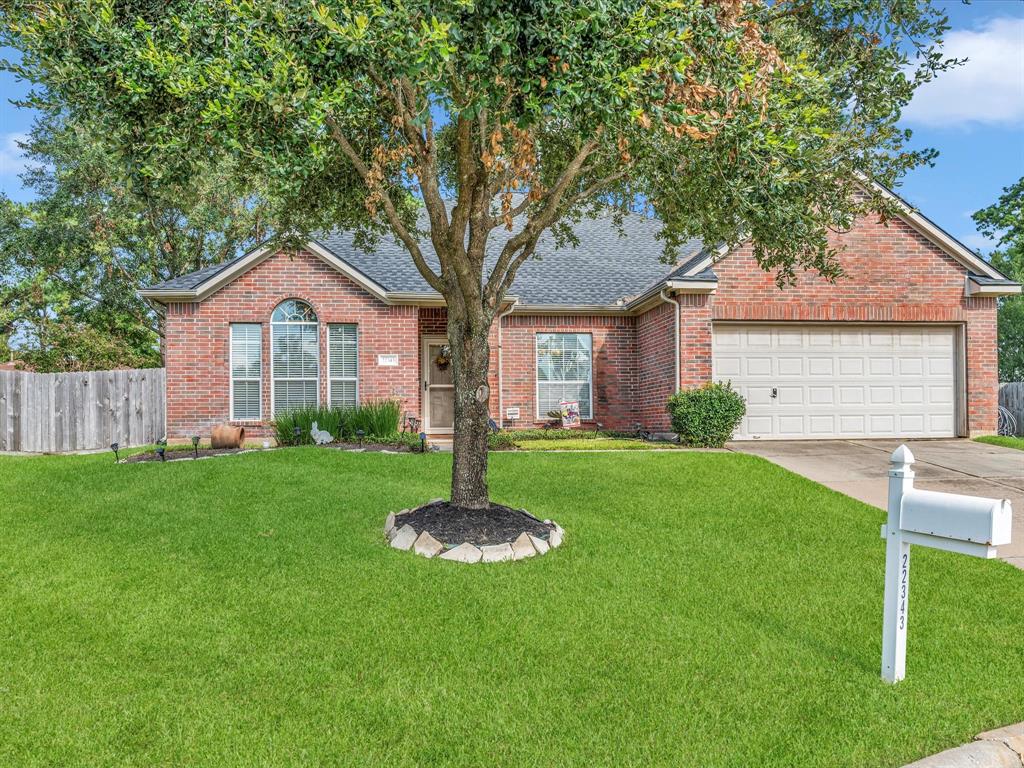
{"x":56,"y":412}
{"x":1011,"y":397}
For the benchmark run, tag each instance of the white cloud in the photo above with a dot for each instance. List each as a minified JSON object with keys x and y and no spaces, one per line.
{"x":12,"y":160}
{"x":988,"y":89}
{"x":978,"y":242}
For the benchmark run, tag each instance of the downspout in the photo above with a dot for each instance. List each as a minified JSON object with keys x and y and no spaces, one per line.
{"x":675,"y":303}
{"x":501,"y":367}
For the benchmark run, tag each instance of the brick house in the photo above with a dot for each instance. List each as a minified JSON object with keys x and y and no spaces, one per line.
{"x":904,"y":344}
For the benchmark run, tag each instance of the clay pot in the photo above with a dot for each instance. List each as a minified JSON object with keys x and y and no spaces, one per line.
{"x":227,"y":436}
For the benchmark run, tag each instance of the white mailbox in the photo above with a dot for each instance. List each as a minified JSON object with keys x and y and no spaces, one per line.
{"x":970,"y":525}
{"x":958,"y":519}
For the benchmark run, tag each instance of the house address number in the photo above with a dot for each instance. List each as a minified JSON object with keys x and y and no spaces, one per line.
{"x":387,"y":361}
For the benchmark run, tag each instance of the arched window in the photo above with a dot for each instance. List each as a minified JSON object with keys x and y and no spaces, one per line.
{"x":295,"y":356}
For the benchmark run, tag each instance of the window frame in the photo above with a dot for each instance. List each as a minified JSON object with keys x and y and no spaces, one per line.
{"x":232,"y":378}
{"x":542,"y":416}
{"x":331,"y":379}
{"x":273,"y":377}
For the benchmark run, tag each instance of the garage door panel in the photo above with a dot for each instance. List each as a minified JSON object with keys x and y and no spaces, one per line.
{"x":881,"y":366}
{"x":821,"y":395}
{"x":851,"y":366}
{"x":834,"y":381}
{"x":758,"y":366}
{"x":790,"y":366}
{"x":820,"y":366}
{"x":911,"y":366}
{"x":881,"y":395}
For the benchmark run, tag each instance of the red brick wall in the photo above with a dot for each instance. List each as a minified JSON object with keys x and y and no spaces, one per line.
{"x":197,"y":354}
{"x":614,"y":365}
{"x":893,"y":274}
{"x":656,"y":365}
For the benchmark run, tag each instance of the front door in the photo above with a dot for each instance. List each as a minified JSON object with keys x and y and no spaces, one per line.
{"x":438,"y":388}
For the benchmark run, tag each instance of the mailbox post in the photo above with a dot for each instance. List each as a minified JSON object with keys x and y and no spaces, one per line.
{"x":970,"y":525}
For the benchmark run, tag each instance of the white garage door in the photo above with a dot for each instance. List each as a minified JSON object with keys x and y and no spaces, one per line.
{"x":808,"y":381}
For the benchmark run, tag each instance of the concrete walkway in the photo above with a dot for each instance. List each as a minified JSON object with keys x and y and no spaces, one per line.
{"x":1001,"y":748}
{"x":858,"y":469}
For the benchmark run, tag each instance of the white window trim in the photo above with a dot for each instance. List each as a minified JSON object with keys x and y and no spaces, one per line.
{"x":543,"y":416}
{"x":273,"y":376}
{"x":331,"y":379}
{"x":232,"y":378}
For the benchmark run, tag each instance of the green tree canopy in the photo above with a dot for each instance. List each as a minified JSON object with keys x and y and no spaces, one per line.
{"x":729,"y":119}
{"x":74,"y":258}
{"x":1004,"y":221}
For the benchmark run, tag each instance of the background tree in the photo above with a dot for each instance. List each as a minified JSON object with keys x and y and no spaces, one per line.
{"x":1004,"y":221}
{"x":73,"y":259}
{"x":728,"y":119}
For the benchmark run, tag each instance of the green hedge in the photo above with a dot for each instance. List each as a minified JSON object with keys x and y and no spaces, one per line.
{"x":706,"y":417}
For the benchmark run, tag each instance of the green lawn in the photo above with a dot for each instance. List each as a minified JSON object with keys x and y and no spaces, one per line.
{"x":707,"y":609}
{"x":1006,"y":442}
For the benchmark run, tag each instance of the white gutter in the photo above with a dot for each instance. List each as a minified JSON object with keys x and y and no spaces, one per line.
{"x":501,"y":380}
{"x":675,"y":304}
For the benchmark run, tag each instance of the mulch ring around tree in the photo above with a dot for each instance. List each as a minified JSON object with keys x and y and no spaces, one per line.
{"x":453,"y":525}
{"x":442,"y":529}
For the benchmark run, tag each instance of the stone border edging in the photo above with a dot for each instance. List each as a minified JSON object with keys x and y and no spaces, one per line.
{"x":998,"y":748}
{"x":423,"y":544}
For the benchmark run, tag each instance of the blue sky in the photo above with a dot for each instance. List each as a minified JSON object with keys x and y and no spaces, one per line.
{"x":974,"y":116}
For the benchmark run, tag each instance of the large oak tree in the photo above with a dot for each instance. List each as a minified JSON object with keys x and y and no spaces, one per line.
{"x":728,"y":119}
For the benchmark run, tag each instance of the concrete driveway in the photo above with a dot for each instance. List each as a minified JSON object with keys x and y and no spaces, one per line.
{"x":858,"y":469}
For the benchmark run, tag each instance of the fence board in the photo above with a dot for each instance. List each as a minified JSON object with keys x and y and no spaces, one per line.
{"x":42,"y":413}
{"x":1011,"y":397}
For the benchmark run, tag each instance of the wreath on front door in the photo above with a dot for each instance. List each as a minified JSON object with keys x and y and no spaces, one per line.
{"x":444,"y":358}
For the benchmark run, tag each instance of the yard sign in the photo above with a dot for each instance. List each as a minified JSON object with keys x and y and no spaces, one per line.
{"x":970,"y":525}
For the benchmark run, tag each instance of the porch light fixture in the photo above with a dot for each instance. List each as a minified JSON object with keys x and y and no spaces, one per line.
{"x":114,"y":447}
{"x":195,"y":446}
{"x":423,"y":442}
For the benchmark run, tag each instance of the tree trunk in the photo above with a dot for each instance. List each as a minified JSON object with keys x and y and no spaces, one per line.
{"x":471,"y":352}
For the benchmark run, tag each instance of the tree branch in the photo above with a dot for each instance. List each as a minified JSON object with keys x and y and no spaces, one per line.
{"x":389,"y":208}
{"x":527,"y":238}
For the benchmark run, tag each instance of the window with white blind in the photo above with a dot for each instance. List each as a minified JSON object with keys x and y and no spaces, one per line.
{"x":564,"y":372}
{"x":342,"y":365}
{"x":295,"y":356}
{"x":246,"y":358}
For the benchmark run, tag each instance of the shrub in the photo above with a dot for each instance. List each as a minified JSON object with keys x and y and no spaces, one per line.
{"x":377,"y":418}
{"x":501,"y":441}
{"x":706,"y":417}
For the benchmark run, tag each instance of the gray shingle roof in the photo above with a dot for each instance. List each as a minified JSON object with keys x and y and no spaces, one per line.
{"x":606,"y":266}
{"x":986,"y":280}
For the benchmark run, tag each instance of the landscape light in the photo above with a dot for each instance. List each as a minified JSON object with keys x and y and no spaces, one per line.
{"x":598,"y":426}
{"x":114,"y":447}
{"x":297,"y":432}
{"x":161,"y":448}
{"x":195,"y":446}
{"x":360,"y":434}
{"x":423,"y":442}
